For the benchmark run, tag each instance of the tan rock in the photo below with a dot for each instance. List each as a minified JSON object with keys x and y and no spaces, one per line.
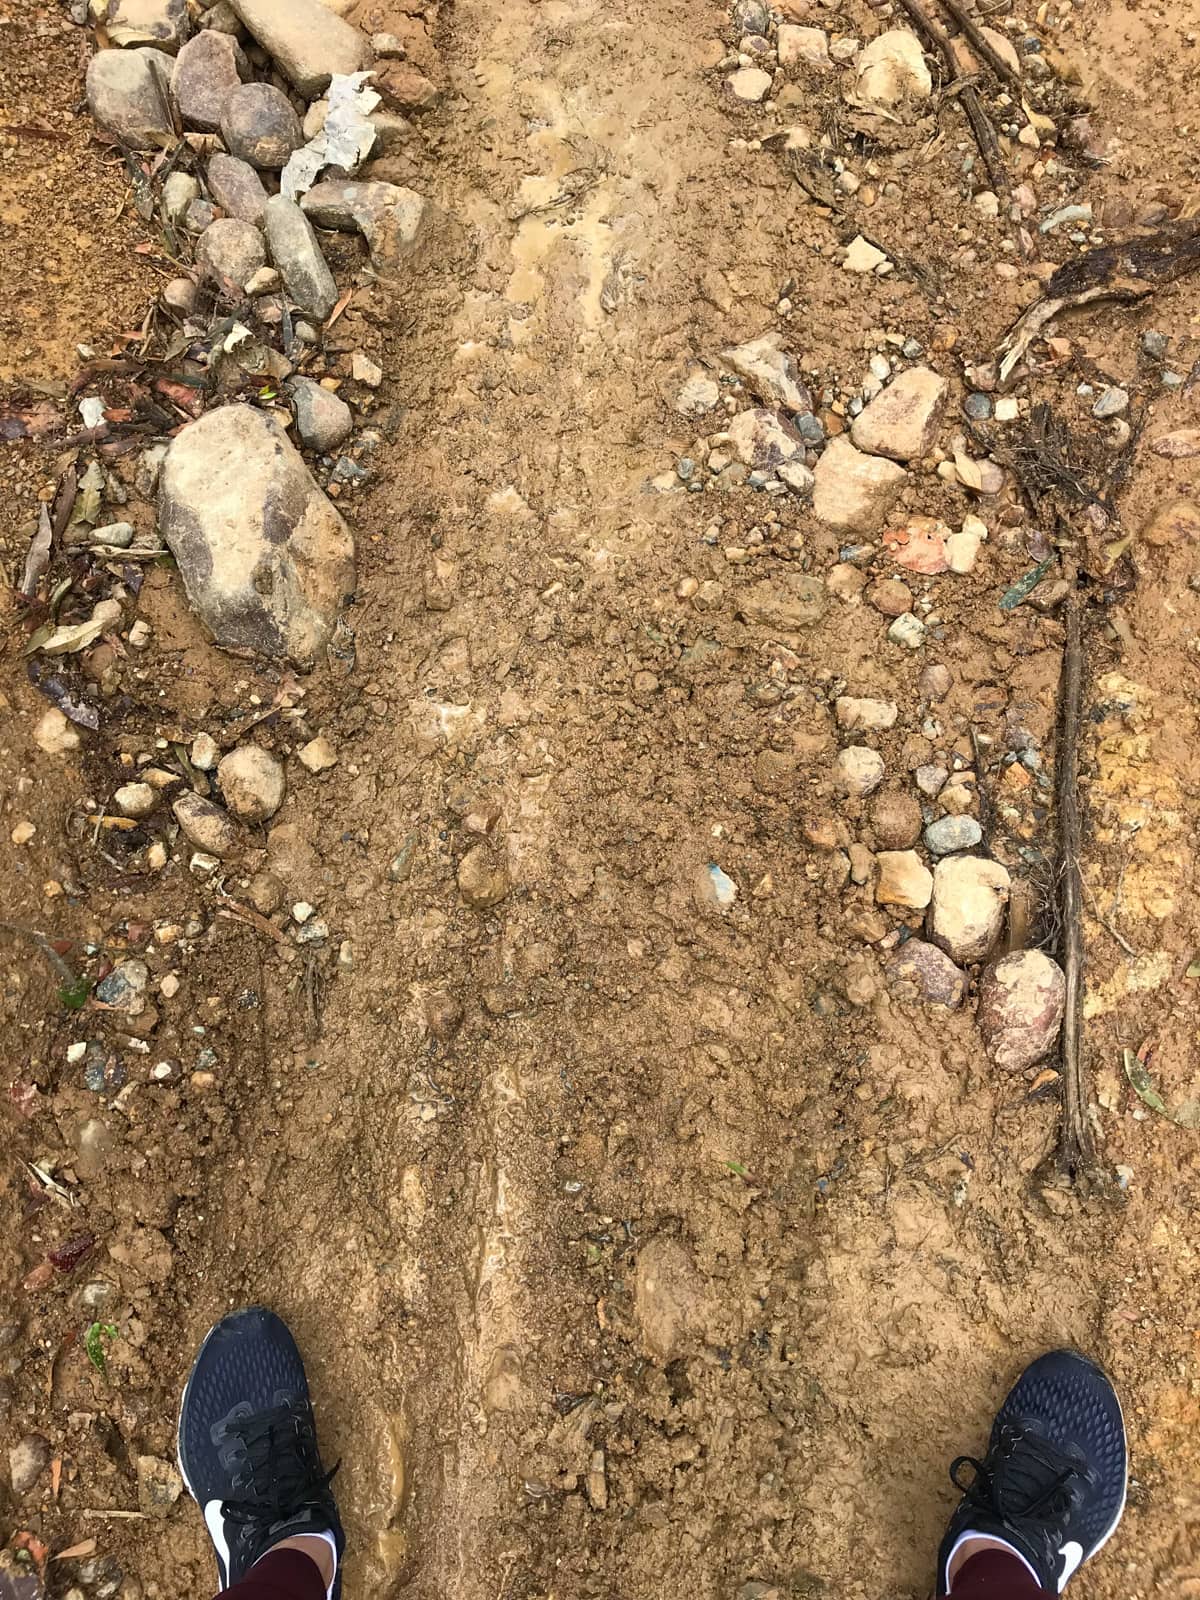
{"x":751,"y":84}
{"x":853,"y":492}
{"x":901,"y":421}
{"x":483,"y":879}
{"x":904,"y":880}
{"x":252,"y":783}
{"x":858,"y":771}
{"x":1175,"y":522}
{"x":802,"y":47}
{"x":892,"y":70}
{"x":1021,"y":1001}
{"x":872,"y":716}
{"x":55,"y":733}
{"x":970,"y":894}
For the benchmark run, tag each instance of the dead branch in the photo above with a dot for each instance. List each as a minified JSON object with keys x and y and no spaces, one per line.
{"x":939,"y":40}
{"x":980,"y":44}
{"x":1076,"y":1152}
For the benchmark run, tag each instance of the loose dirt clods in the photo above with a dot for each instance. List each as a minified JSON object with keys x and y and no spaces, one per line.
{"x":543,"y":952}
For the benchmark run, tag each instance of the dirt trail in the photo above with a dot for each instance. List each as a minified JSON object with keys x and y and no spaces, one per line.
{"x":638,"y":1247}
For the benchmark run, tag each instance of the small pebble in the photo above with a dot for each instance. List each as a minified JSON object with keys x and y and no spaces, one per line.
{"x":950,"y":834}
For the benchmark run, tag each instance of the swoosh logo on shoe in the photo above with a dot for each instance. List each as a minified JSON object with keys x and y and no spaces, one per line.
{"x":1072,"y":1555}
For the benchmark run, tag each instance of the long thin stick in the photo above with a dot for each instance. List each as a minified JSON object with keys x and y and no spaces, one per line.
{"x":981,"y":45}
{"x":1076,"y":1151}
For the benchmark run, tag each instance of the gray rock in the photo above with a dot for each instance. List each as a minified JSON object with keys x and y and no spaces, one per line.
{"x":978,"y":407}
{"x":237,"y":188}
{"x":162,"y":24}
{"x":297,"y":253}
{"x":128,"y":94}
{"x":1111,"y":403}
{"x":231,"y":251}
{"x":27,"y":1460}
{"x":265,"y":558}
{"x":908,"y":630}
{"x":390,"y":218}
{"x":158,"y":1486}
{"x":769,"y":372}
{"x":222,"y":18}
{"x":204,"y":824}
{"x":124,"y":986}
{"x":180,"y":295}
{"x":948,"y":834}
{"x":208,"y":69}
{"x":752,"y":16}
{"x":1155,"y":344}
{"x":259,"y":125}
{"x":308,"y":40}
{"x":200,"y":214}
{"x":178,"y":193}
{"x":323,"y":420}
{"x":251,"y":782}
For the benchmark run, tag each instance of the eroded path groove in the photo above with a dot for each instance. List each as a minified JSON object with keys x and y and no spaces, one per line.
{"x":643,"y":1246}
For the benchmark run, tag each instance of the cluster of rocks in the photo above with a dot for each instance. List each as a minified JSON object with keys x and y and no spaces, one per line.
{"x":252,"y":106}
{"x":921,"y":895}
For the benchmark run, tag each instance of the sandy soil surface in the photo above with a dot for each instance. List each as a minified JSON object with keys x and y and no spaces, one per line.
{"x":638,"y":1247}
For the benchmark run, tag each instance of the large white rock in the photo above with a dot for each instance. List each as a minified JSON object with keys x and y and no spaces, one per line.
{"x":265,"y":558}
{"x":970,"y":894}
{"x":892,"y":70}
{"x":854,"y":492}
{"x":308,"y":40}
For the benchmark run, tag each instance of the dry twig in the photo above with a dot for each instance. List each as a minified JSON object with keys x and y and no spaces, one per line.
{"x":1075,"y":1152}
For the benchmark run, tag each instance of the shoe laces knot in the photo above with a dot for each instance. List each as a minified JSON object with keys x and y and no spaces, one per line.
{"x":273,"y":1460}
{"x":1024,"y":1478}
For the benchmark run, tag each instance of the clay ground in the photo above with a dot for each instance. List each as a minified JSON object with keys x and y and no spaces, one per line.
{"x":597,"y":1170}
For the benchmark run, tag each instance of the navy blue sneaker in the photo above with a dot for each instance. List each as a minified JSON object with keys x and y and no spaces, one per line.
{"x":248,"y":1444}
{"x":1053,"y":1482}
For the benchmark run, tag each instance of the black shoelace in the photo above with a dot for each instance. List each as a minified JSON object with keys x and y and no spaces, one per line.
{"x":277,"y":1470}
{"x":1024,"y":1480}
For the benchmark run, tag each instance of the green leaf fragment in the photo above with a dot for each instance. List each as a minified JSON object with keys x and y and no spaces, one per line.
{"x":1024,"y":587}
{"x":93,"y":1344}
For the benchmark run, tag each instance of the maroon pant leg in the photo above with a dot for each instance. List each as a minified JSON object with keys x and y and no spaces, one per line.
{"x":995,"y":1575}
{"x":282,"y":1575}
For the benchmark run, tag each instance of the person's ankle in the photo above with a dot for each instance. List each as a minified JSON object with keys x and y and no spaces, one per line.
{"x":316,"y":1547}
{"x":975,"y":1545}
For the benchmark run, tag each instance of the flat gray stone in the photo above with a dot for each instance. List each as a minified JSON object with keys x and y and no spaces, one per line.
{"x":949,"y":834}
{"x":266,"y":560}
{"x":309,"y":41}
{"x":296,"y":251}
{"x":237,"y":188}
{"x":207,"y":71}
{"x":389,"y":216}
{"x":128,"y":94}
